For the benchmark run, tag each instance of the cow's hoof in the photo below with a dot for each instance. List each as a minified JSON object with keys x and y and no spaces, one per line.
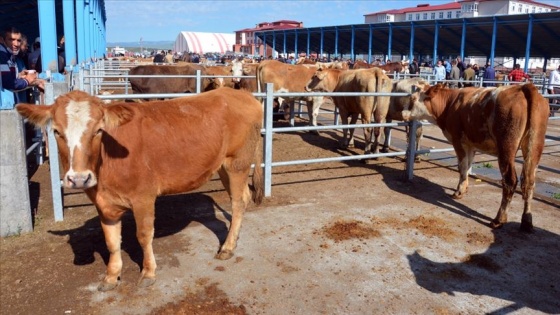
{"x":496,"y":224}
{"x":527,"y":224}
{"x":224,"y":255}
{"x":457,"y":195}
{"x":105,"y":286}
{"x":146,"y":282}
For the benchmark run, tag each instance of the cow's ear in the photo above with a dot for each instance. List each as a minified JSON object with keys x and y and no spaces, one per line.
{"x":415,"y":88}
{"x":117,"y":115}
{"x":38,"y":115}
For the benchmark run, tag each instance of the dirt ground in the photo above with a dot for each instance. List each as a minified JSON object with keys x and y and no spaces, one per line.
{"x":334,"y":238}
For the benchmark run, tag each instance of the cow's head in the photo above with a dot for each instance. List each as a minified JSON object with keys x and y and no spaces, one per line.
{"x":78,"y":121}
{"x":420,"y":96}
{"x":237,"y":69}
{"x":318,"y":82}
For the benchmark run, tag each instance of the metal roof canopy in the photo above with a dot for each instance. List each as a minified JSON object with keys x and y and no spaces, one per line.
{"x":513,"y":37}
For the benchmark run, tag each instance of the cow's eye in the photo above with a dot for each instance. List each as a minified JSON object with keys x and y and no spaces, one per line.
{"x":58,"y":134}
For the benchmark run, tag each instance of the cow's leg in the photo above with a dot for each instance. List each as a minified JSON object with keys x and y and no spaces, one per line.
{"x":531,"y":156}
{"x":144,"y":218}
{"x":380,"y":119}
{"x":344,"y":143}
{"x":506,"y":161}
{"x":112,"y":231}
{"x":465,"y":156}
{"x":367,"y":135}
{"x":351,"y":131}
{"x":387,"y":134}
{"x":240,"y":195}
{"x":313,"y":111}
{"x":419,"y":132}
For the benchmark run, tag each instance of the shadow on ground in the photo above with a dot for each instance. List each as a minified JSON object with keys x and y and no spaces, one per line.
{"x":496,"y":272}
{"x":173,"y":214}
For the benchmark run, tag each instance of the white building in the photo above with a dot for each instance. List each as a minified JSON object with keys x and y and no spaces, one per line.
{"x":199,"y":42}
{"x":459,"y":9}
{"x":470,"y":9}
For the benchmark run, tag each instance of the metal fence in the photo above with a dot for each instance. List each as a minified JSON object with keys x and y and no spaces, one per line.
{"x":94,"y":80}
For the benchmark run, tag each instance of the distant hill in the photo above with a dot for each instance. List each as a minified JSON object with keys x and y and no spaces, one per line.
{"x":148,"y":45}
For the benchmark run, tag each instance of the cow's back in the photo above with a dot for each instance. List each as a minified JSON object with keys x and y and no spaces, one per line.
{"x":285,"y":77}
{"x":149,"y":84}
{"x":195,"y":132}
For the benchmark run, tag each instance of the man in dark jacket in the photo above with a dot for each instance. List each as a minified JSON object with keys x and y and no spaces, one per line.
{"x":489,"y":74}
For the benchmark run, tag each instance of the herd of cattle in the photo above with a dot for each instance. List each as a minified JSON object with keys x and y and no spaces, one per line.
{"x":124,"y":155}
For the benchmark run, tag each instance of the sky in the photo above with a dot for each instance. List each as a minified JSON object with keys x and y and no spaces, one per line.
{"x":163,"y":20}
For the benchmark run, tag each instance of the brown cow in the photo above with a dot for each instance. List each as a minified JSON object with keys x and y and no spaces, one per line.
{"x":220,"y":73}
{"x":361,"y":64}
{"x":125,"y":155}
{"x":248,"y":84}
{"x":399,"y":103}
{"x":149,"y":85}
{"x":497,"y":121}
{"x":363,"y":80}
{"x":391,"y":67}
{"x":289,"y":78}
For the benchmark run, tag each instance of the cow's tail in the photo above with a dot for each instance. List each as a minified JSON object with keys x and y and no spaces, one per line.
{"x":538,"y":111}
{"x":260,"y":88}
{"x":258,"y":174}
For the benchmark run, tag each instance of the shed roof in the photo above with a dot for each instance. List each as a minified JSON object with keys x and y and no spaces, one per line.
{"x":511,"y":37}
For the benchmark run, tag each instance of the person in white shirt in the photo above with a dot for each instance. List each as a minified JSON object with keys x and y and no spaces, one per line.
{"x":554,"y":84}
{"x":439,"y":72}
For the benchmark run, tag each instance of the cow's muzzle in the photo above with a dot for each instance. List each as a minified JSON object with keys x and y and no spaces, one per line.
{"x":81,"y":180}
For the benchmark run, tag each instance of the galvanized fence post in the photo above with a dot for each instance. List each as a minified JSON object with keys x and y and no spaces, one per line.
{"x":56,"y":187}
{"x":411,"y":149}
{"x":198,"y":81}
{"x":269,"y":112}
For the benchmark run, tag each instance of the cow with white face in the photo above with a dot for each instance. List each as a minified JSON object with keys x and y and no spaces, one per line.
{"x":398,"y":104}
{"x":289,"y":78}
{"x":125,"y":155}
{"x":496,"y":121}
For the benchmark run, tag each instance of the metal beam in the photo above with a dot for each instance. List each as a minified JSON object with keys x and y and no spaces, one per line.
{"x":528,"y":45}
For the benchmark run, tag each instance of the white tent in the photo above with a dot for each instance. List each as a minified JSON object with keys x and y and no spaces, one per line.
{"x":198,"y":42}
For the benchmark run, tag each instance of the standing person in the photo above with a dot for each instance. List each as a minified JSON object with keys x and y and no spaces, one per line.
{"x":23,"y":54}
{"x":439,"y":72}
{"x":517,"y":75}
{"x":413,"y":67}
{"x":447,"y":66}
{"x":61,"y":48}
{"x":489,"y":74}
{"x":461,"y":66}
{"x":12,"y":80}
{"x":33,"y":56}
{"x":159,"y":57}
{"x":468,"y":76}
{"x":169,"y":56}
{"x":455,"y":75}
{"x":554,"y":84}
